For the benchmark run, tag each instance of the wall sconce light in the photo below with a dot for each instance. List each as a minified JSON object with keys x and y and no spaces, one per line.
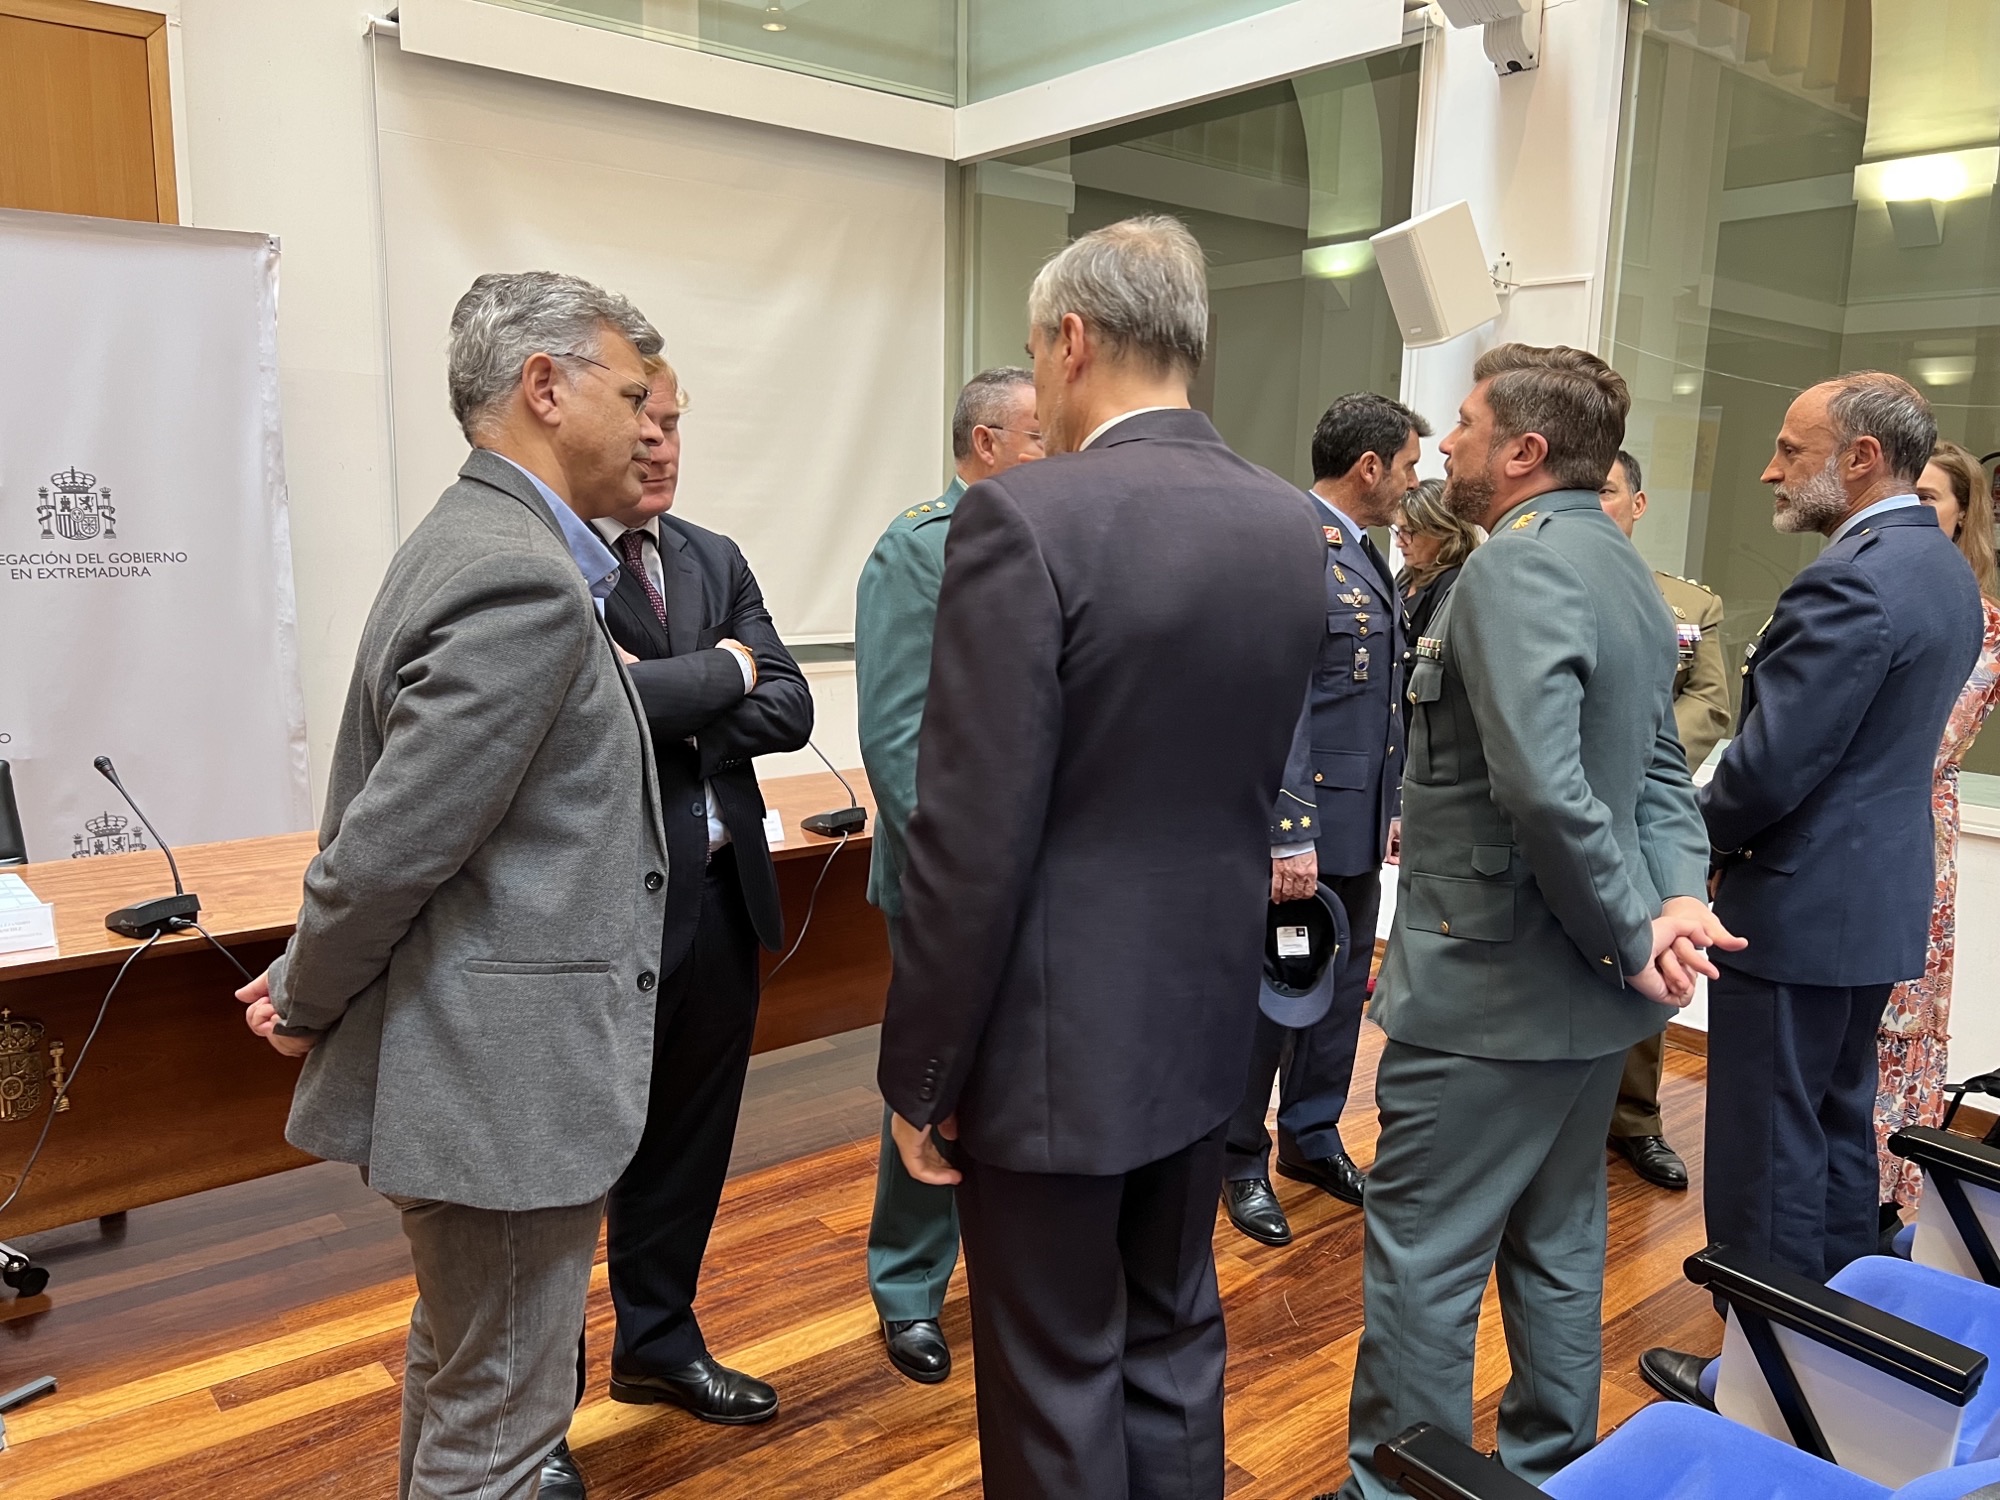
{"x":1914,"y":189}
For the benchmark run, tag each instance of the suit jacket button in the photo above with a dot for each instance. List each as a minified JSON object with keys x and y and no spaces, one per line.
{"x":646,"y":981}
{"x":654,"y":880}
{"x":927,"y":1093}
{"x":1445,"y":928}
{"x":700,"y":809}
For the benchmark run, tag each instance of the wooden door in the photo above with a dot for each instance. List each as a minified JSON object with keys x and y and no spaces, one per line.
{"x":85,"y":125}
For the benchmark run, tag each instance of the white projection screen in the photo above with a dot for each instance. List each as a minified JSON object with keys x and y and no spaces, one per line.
{"x":799,"y":281}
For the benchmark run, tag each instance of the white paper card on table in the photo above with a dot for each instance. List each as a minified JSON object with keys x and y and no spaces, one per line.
{"x":25,"y":920}
{"x":1294,"y":942}
{"x":774,"y":828}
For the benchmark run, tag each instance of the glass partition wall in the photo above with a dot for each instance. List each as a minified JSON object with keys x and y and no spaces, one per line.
{"x":1807,"y":187}
{"x":1282,"y":185}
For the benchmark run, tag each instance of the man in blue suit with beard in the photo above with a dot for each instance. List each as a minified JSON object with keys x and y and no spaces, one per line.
{"x":1820,"y":816}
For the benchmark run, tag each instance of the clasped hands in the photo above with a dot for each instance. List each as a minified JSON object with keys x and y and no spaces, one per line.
{"x":1682,"y":933}
{"x":262,"y":1017}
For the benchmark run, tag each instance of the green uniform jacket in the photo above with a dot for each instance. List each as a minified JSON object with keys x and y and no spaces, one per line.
{"x":895,"y":612}
{"x":1701,"y":688}
{"x":1547,"y":806}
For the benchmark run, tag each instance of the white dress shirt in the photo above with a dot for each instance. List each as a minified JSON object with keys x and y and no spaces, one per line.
{"x":611,"y":531}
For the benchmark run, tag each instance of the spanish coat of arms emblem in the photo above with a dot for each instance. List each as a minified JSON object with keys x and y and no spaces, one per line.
{"x":79,"y":509}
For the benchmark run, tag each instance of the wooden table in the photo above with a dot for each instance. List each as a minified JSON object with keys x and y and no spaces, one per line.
{"x":178,"y":1096}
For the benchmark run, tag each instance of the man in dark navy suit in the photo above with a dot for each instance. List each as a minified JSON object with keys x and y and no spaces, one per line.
{"x":718,"y":687}
{"x":1124,"y":633}
{"x":1820,"y":816}
{"x":1342,"y":791}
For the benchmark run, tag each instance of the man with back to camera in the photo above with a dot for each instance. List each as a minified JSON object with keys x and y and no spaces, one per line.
{"x":913,"y":1235}
{"x":1124,"y":634}
{"x":1335,"y":813}
{"x":1550,"y":896}
{"x":471,"y":981}
{"x":1701,"y":717}
{"x":718,"y":688}
{"x":1820,"y":816}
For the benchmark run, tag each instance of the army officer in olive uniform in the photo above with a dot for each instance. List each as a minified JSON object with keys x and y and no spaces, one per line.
{"x":913,"y":1237}
{"x":1701,"y":715}
{"x":1553,"y":866}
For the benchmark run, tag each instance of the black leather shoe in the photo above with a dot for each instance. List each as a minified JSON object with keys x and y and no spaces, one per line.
{"x":918,"y":1349}
{"x":713,"y":1392}
{"x":1653,"y":1159}
{"x":1253,"y":1208}
{"x":1675,"y":1375}
{"x":561,"y":1478}
{"x":1335,"y":1174}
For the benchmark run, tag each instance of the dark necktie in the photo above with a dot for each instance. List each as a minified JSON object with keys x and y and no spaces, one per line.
{"x":1374,"y":555}
{"x":633,"y":545}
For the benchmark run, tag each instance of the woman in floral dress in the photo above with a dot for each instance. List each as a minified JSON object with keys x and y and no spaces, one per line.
{"x":1914,"y":1026}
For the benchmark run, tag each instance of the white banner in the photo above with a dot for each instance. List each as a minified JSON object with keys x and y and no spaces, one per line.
{"x":146,"y":607}
{"x":799,"y":282}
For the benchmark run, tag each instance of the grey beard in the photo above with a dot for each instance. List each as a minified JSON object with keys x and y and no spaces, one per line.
{"x":1817,"y":505}
{"x":1468,"y":496}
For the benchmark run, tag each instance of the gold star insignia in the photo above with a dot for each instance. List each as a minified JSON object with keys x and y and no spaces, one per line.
{"x":1524,"y":520}
{"x":912,"y":515}
{"x":924,"y":509}
{"x":1286,"y":824}
{"x":1305,"y":822}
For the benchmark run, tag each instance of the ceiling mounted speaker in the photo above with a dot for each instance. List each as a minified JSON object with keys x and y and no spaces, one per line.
{"x":1513,"y":30}
{"x":1436,"y":275}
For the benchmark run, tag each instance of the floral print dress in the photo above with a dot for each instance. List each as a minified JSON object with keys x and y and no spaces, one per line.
{"x":1914,"y":1027}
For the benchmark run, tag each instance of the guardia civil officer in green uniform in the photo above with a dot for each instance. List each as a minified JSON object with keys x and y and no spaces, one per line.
{"x":1701,"y":714}
{"x":913,"y":1237}
{"x":1550,"y":900}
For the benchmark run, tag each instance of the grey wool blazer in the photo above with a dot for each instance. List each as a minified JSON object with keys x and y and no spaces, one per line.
{"x":480,"y":939}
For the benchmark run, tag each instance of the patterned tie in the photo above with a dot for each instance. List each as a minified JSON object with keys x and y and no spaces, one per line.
{"x":633,"y":545}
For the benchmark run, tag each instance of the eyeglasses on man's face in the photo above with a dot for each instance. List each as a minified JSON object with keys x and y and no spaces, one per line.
{"x":1032,"y":434}
{"x":636,"y":395}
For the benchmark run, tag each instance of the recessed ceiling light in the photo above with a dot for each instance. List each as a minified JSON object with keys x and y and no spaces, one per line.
{"x":776,"y":18}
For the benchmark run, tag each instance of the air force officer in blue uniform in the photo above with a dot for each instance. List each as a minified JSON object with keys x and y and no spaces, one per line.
{"x":1820,"y":815}
{"x":1342,"y":791}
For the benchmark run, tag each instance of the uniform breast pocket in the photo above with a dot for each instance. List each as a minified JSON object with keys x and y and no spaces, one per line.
{"x":1348,"y":655}
{"x":1433,"y":747}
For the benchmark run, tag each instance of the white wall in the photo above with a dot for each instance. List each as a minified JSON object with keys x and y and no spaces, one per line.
{"x":276,"y":134}
{"x":1534,"y":156}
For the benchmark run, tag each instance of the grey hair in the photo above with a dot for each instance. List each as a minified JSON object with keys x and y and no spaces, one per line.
{"x":984,"y":403}
{"x":1873,"y":403}
{"x":506,"y":317}
{"x":1141,"y":285}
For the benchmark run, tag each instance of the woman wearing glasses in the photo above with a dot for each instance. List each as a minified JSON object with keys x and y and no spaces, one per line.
{"x":1434,"y":544}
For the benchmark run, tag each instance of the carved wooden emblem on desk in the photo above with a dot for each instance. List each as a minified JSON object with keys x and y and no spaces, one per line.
{"x":22,"y":1067}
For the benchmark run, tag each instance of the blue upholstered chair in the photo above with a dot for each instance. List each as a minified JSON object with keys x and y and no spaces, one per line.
{"x":1960,"y":1217}
{"x":1666,"y":1452}
{"x":1881,"y":1371}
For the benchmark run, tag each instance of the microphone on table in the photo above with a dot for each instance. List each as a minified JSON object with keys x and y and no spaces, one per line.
{"x":163,"y":914}
{"x":842,"y":822}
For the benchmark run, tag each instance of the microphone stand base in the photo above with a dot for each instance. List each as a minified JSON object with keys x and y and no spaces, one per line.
{"x":152,"y":918}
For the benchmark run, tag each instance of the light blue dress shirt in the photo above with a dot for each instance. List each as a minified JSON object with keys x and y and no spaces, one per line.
{"x":597,"y":562}
{"x":1894,"y":502}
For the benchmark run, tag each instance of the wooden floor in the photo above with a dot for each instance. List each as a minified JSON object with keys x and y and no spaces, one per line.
{"x":247,"y":1344}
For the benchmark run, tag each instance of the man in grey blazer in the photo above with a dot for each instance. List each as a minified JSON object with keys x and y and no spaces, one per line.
{"x":1550,"y":899}
{"x":471,"y":982}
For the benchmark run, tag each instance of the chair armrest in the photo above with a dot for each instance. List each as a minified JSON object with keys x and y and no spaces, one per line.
{"x":1430,"y":1464}
{"x":1960,"y":1155}
{"x":1919,"y":1358}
